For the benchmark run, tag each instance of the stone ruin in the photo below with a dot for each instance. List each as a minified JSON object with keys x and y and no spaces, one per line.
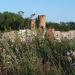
{"x":32,"y":24}
{"x":49,"y":33}
{"x":42,"y":23}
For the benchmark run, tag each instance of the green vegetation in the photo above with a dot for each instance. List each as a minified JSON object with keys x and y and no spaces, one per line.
{"x":38,"y":57}
{"x":62,"y":26}
{"x":15,"y":21}
{"x":12,"y":21}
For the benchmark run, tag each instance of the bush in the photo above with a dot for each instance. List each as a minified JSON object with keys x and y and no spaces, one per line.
{"x":39,"y":57}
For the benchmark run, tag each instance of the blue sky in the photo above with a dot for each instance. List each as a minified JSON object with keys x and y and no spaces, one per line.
{"x":55,"y":10}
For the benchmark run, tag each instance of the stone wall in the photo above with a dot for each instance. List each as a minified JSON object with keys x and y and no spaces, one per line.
{"x":50,"y":33}
{"x":58,"y":35}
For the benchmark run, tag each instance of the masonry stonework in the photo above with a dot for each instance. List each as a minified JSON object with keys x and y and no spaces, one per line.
{"x":50,"y":34}
{"x":32,"y":24}
{"x":42,"y":22}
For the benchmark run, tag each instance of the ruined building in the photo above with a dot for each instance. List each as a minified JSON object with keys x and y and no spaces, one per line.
{"x":42,"y":22}
{"x":49,"y":33}
{"x":32,"y":24}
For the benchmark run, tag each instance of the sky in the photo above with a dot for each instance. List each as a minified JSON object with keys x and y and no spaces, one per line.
{"x":55,"y":10}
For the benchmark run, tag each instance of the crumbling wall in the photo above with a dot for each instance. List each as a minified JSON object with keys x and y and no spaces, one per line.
{"x":58,"y":35}
{"x":50,"y":33}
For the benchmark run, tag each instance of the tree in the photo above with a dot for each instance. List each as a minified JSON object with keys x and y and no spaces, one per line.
{"x":21,"y":13}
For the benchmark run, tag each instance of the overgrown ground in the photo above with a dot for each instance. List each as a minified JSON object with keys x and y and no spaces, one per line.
{"x":36,"y":57}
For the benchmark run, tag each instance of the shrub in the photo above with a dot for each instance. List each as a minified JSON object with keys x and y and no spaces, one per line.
{"x":40,"y":57}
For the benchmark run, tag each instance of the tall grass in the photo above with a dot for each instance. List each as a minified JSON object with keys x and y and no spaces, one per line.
{"x":37,"y":57}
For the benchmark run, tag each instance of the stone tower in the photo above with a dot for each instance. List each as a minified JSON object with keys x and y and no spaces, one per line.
{"x":42,"y":22}
{"x":32,"y":24}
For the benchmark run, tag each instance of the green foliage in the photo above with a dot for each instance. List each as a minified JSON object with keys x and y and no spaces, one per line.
{"x":11,"y":21}
{"x":62,"y":26}
{"x":15,"y":21}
